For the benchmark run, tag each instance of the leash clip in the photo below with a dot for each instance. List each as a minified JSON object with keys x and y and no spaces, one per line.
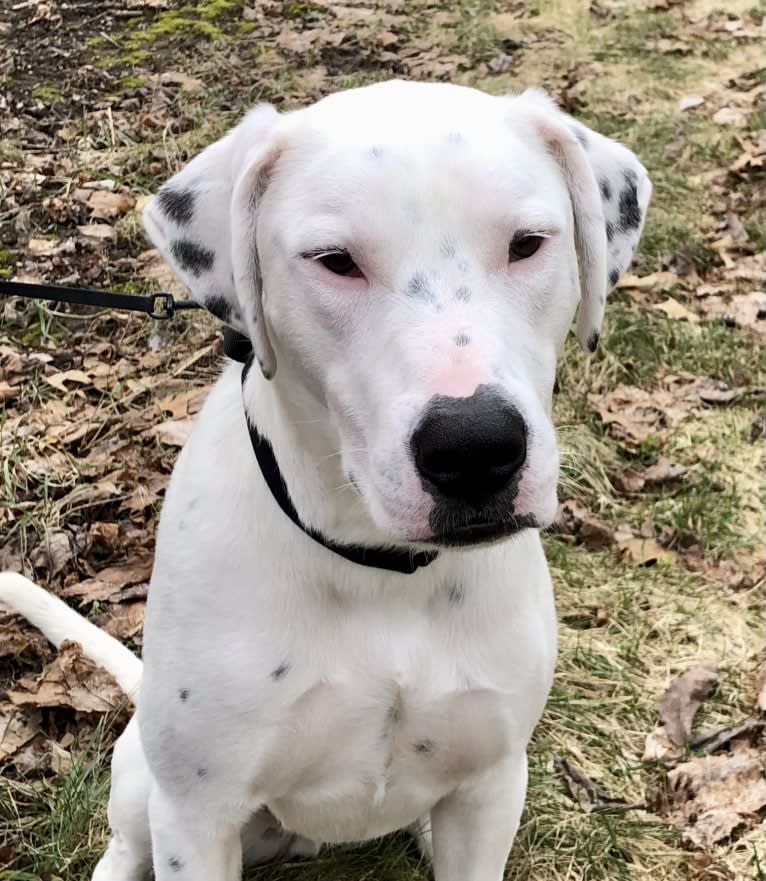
{"x":162,"y":306}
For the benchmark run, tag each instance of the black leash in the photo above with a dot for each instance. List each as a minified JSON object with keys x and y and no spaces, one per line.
{"x":159,"y":306}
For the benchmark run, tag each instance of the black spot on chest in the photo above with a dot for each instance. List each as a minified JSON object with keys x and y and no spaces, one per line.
{"x":282,"y":670}
{"x":192,"y":257}
{"x":463,"y":294}
{"x":175,"y":864}
{"x":178,"y":205}
{"x":462,"y":339}
{"x":614,"y":276}
{"x":183,"y":693}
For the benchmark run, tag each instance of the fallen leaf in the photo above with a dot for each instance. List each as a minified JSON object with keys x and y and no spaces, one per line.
{"x":17,"y":728}
{"x":59,"y":380}
{"x":100,"y":231}
{"x":173,"y":432}
{"x":644,"y":551}
{"x":710,"y":741}
{"x":590,"y":795}
{"x":628,"y":481}
{"x":655,"y":281}
{"x":54,"y":552}
{"x":664,"y":471}
{"x":681,"y":700}
{"x":709,"y":797}
{"x":573,"y":518}
{"x":70,"y":680}
{"x":8,"y":392}
{"x":673,"y":309}
{"x":124,"y":620}
{"x":109,"y":205}
{"x":178,"y":78}
{"x":107,"y":585}
{"x":185,"y":403}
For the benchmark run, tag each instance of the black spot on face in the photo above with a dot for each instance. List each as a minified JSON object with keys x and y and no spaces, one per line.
{"x":219,"y":306}
{"x":462,"y":294}
{"x":462,"y":339}
{"x":609,"y":230}
{"x":614,"y":276}
{"x":280,"y":671}
{"x":419,"y":288}
{"x":192,"y":257}
{"x":184,"y":694}
{"x":447,"y":248}
{"x":630,"y":213}
{"x":175,"y":864}
{"x":593,"y":341}
{"x":424,"y":747}
{"x":178,"y":205}
{"x":606,"y":190}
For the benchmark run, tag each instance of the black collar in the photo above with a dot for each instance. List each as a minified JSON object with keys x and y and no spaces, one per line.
{"x":238,"y":347}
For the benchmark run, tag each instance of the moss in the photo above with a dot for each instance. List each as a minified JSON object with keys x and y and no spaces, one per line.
{"x":47,"y":92}
{"x":7,"y":263}
{"x":132,"y":82}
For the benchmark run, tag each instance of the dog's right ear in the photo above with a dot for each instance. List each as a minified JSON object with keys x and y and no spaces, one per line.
{"x":203,"y":223}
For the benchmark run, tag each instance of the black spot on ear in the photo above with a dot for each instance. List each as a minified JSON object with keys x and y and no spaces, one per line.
{"x":463,"y":294}
{"x":183,"y":693}
{"x":280,"y":671}
{"x":419,"y":288}
{"x":192,"y":257}
{"x":593,"y":341}
{"x":219,"y":306}
{"x":175,"y":864}
{"x":630,"y":213}
{"x":606,"y":190}
{"x":462,"y":339}
{"x":424,"y":747}
{"x":202,"y":772}
{"x":614,"y":276}
{"x":609,"y":230}
{"x":178,"y":205}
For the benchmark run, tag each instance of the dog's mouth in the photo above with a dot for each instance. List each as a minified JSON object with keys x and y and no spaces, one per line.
{"x":482,"y":532}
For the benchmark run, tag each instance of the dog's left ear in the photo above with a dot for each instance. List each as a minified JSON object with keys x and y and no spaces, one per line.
{"x":609,"y":189}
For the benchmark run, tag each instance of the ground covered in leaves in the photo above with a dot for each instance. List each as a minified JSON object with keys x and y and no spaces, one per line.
{"x":647,"y":762}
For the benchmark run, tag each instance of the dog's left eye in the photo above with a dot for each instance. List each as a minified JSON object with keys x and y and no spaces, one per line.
{"x":340,"y":263}
{"x":524,"y":246}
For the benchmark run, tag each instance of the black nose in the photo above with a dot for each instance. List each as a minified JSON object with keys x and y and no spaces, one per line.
{"x":470,"y":448}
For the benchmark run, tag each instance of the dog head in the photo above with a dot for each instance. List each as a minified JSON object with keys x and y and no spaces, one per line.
{"x":412,"y":256}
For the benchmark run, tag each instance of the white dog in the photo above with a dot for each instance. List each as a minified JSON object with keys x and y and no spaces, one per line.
{"x":350,"y":627}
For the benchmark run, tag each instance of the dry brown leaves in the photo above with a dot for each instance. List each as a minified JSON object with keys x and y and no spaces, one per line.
{"x":634,"y":415}
{"x":709,"y":796}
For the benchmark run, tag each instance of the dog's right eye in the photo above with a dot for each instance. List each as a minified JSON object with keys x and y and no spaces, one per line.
{"x":340,"y":263}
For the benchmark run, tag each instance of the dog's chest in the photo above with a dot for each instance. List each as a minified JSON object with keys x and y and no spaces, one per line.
{"x":379,"y":716}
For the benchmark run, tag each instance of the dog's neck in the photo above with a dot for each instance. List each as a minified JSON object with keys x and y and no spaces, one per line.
{"x":307,"y":451}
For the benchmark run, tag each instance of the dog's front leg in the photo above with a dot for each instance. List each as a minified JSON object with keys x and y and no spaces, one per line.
{"x":473,"y":827}
{"x":190,"y":843}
